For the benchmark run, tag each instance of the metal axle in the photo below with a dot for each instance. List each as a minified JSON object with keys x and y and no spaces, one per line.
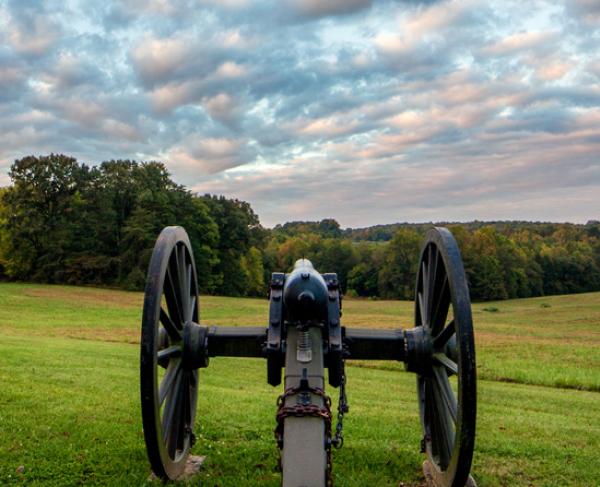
{"x":413,"y":346}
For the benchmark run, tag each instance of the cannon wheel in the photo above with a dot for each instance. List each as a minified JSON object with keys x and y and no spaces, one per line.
{"x":443,"y":308}
{"x":168,"y":389}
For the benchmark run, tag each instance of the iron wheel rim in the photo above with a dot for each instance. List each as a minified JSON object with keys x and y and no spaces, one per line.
{"x":447,"y":418}
{"x":168,"y":403}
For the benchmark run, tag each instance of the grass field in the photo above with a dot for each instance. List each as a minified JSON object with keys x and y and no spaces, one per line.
{"x":69,"y":408}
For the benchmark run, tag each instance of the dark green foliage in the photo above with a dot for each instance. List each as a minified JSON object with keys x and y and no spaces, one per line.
{"x":159,"y":202}
{"x":238,"y":269}
{"x":502,"y":260}
{"x":363,"y":279}
{"x":327,"y":228}
{"x":62,"y":221}
{"x":44,"y":212}
{"x":336,"y":255}
{"x":326,"y":254}
{"x":401,"y":258}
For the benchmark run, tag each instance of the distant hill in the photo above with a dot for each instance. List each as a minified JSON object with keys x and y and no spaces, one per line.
{"x":383,"y":233}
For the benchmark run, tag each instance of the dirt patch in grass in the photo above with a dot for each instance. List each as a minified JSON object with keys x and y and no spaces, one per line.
{"x":484,"y":339}
{"x":118,"y":335}
{"x":115,"y":335}
{"x":87,"y":296}
{"x":562,"y":385}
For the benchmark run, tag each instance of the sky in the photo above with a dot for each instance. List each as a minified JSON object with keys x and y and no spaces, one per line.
{"x":365,"y":111}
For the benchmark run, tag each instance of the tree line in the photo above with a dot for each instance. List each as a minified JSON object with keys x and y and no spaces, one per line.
{"x":62,"y":221}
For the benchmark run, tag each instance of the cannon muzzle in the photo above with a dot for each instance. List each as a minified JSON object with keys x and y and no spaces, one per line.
{"x":305,"y":294}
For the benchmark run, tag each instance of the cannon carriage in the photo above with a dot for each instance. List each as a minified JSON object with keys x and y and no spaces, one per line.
{"x":305,"y":336}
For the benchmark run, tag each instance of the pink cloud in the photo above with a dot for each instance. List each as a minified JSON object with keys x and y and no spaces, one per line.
{"x":172,"y":95}
{"x":520,"y":41}
{"x":230,"y":69}
{"x":157,"y":59}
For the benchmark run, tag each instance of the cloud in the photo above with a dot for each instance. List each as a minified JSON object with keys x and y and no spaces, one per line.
{"x":427,"y":40}
{"x":167,"y":97}
{"x":157,"y":60}
{"x":69,"y":71}
{"x":31,"y":32}
{"x":593,"y":67}
{"x":119,"y":130}
{"x":234,"y":39}
{"x":230,"y":69}
{"x":13,"y":78}
{"x":157,"y":7}
{"x":587,"y":11}
{"x":197,"y":156}
{"x":553,"y":69}
{"x":224,"y":108}
{"x":227,"y":4}
{"x":317,"y":8}
{"x":519,"y":42}
{"x":366,"y":111}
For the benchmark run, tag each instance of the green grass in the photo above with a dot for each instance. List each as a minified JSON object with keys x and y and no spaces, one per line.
{"x":70,"y":415}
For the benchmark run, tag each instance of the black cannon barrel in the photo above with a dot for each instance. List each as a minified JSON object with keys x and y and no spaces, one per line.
{"x":305,"y":293}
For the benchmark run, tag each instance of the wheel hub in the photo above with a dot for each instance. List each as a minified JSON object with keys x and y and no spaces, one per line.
{"x":418,"y":350}
{"x":194,"y":350}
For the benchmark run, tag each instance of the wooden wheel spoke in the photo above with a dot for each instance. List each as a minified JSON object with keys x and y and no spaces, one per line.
{"x":445,"y":391}
{"x":422,"y":309}
{"x":187,"y":291}
{"x":169,"y":352}
{"x":173,"y":297}
{"x":169,"y":413}
{"x":173,"y":427}
{"x":190,"y":401}
{"x":192,"y":309}
{"x":174,"y":430}
{"x":441,"y":305}
{"x":425,"y":294}
{"x":428,"y":410}
{"x":440,"y":340}
{"x":437,"y":429}
{"x":167,"y":382}
{"x":181,"y":272}
{"x":182,"y":269}
{"x":175,"y":268}
{"x":442,"y":359}
{"x":172,"y":330}
{"x":432,"y":263}
{"x":444,"y":427}
{"x":187,"y":408}
{"x":193,"y":384}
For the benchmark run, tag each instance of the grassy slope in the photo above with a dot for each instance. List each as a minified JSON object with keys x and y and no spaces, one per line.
{"x":69,"y":409}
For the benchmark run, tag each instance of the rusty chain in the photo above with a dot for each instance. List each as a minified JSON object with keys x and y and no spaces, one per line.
{"x":302,"y":410}
{"x":312,"y":410}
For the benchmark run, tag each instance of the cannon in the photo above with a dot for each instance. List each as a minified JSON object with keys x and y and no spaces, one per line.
{"x":305,"y":336}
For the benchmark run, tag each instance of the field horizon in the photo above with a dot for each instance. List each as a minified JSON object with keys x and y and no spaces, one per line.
{"x":70,"y":414}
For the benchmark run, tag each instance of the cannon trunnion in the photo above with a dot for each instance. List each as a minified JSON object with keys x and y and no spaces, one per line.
{"x":305,"y":336}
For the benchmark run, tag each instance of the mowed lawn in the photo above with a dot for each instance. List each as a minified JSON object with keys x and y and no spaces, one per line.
{"x":70,"y":414}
